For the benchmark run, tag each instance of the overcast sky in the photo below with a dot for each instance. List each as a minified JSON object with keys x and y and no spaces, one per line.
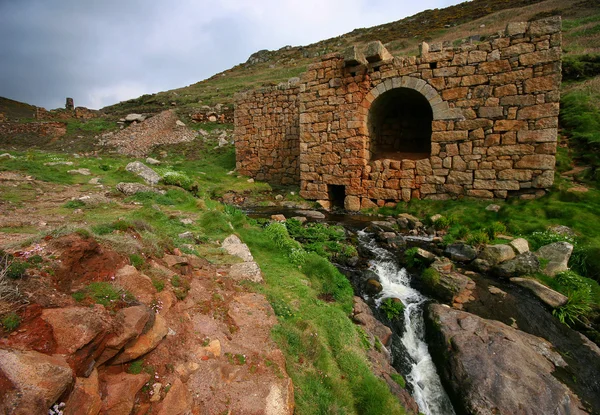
{"x":101,"y":52}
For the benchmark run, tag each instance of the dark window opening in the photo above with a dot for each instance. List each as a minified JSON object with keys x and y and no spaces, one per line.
{"x":400,"y":125}
{"x":432,"y":65}
{"x":337,"y":195}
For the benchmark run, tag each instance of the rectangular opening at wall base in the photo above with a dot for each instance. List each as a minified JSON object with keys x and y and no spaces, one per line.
{"x":337,"y":194}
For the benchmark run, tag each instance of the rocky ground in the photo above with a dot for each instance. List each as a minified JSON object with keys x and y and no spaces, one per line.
{"x":199,"y":344}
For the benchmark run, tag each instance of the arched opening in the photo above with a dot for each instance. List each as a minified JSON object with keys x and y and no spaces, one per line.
{"x":400,"y":125}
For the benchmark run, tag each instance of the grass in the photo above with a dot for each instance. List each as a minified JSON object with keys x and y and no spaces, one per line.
{"x":10,"y":321}
{"x":104,"y":293}
{"x":392,"y":308}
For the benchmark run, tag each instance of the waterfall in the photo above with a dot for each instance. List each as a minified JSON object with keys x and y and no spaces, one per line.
{"x":423,"y":377}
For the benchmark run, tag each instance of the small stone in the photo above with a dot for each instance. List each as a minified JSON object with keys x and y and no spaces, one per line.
{"x":279,"y":197}
{"x":250,"y":180}
{"x":179,"y":123}
{"x":187,"y":221}
{"x":493,"y":208}
{"x":496,"y":291}
{"x":143,"y":171}
{"x":552,"y":298}
{"x":84,"y":172}
{"x":186,"y":235}
{"x":152,"y":161}
{"x":8,"y":156}
{"x":155,"y":396}
{"x":278,"y":218}
{"x":520,"y":245}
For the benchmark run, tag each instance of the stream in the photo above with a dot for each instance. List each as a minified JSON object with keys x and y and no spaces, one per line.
{"x":422,"y":376}
{"x":409,"y":349}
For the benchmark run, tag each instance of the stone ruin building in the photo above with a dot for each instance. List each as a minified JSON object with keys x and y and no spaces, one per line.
{"x":364,"y":128}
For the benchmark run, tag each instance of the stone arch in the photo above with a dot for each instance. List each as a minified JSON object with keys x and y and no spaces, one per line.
{"x":398,"y":115}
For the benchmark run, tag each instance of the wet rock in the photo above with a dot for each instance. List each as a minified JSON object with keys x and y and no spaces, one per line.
{"x":495,"y":254}
{"x":246,"y":271}
{"x":121,"y":390}
{"x":363,"y":315}
{"x":313,"y":214}
{"x":130,"y":189}
{"x":460,"y":252}
{"x":373,"y":287}
{"x":407,"y":221}
{"x":496,"y":291}
{"x":425,"y":256}
{"x":85,"y":398}
{"x":557,"y":254}
{"x":177,"y":401}
{"x":136,"y":283}
{"x":143,"y":171}
{"x":494,"y":368}
{"x":234,"y":246}
{"x":145,"y":342}
{"x":383,"y":225}
{"x":31,"y":382}
{"x":450,"y":285}
{"x":550,"y":297}
{"x":523,"y":264}
{"x":519,"y":245}
{"x":480,"y":265}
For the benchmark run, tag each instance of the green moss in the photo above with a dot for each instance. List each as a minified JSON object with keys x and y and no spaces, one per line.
{"x":392,"y":308}
{"x":11,"y":321}
{"x":399,"y":379}
{"x":430,"y":277}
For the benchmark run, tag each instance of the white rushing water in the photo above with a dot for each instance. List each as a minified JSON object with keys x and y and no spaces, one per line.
{"x":423,"y":377}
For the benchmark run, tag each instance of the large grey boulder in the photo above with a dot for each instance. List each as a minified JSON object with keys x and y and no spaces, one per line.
{"x":495,"y":254}
{"x":460,"y":252}
{"x":557,"y":255}
{"x":523,"y":264}
{"x":495,"y":369}
{"x":550,"y":297}
{"x":140,"y":169}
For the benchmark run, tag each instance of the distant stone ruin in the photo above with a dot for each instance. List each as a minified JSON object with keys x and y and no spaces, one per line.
{"x":363,"y":128}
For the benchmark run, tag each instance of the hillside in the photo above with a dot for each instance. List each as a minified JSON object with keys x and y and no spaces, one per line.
{"x":453,"y":24}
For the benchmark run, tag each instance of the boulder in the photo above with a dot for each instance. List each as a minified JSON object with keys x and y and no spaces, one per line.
{"x":246,"y":271}
{"x":85,"y":398}
{"x":450,"y":285}
{"x":495,"y":369}
{"x":550,"y":297}
{"x":460,"y":252}
{"x":562,"y":230}
{"x":519,"y":245}
{"x":130,"y":323}
{"x":31,"y":382}
{"x":363,"y":315}
{"x":130,"y":189}
{"x":177,"y":401}
{"x":136,"y":283}
{"x":143,"y":171}
{"x":313,"y":214}
{"x":408,"y":221}
{"x":373,"y":287}
{"x":234,"y":246}
{"x":278,"y":218}
{"x":79,"y":332}
{"x":557,"y":254}
{"x":495,"y":254}
{"x":121,"y":389}
{"x":134,"y":117}
{"x":425,"y":256}
{"x":523,"y":264}
{"x":145,"y":342}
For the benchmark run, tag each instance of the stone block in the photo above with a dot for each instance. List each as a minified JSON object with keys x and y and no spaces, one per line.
{"x":546,"y":26}
{"x":548,"y":135}
{"x":376,"y":52}
{"x":536,"y":161}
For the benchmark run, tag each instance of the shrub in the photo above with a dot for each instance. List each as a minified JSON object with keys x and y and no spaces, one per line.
{"x":16,"y":270}
{"x":478,"y":238}
{"x":136,"y":367}
{"x":392,"y":308}
{"x":11,"y":321}
{"x":494,"y":229}
{"x":577,"y":308}
{"x":442,"y":223}
{"x":410,"y":257}
{"x":178,"y":179}
{"x":74,"y":204}
{"x":136,"y":260}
